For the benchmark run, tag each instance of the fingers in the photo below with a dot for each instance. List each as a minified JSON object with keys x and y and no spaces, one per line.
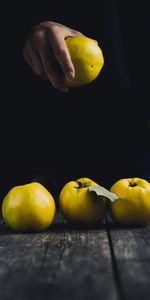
{"x":61,"y":53}
{"x":52,"y":69}
{"x":40,"y":57}
{"x":49,"y":63}
{"x":33,"y":59}
{"x":48,"y":55}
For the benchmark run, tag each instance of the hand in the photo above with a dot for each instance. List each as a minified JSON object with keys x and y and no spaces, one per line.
{"x":46,"y":52}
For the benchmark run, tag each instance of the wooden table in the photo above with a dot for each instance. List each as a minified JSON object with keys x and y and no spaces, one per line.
{"x":106,"y":262}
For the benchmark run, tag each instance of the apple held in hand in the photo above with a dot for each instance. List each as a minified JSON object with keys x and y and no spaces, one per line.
{"x":133,"y":204}
{"x":87,"y":58}
{"x":79,"y":205}
{"x":28,"y":207}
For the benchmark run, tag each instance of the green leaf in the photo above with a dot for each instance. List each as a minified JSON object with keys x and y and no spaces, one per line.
{"x":101,"y":191}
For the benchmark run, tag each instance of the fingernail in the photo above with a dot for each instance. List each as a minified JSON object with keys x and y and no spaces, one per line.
{"x":70,"y":75}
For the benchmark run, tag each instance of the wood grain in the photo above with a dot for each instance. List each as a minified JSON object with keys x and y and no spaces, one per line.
{"x":61,"y":263}
{"x":108,"y":262}
{"x":130,"y":250}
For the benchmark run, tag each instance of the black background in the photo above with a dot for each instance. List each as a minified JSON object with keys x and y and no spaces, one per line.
{"x":98,"y":131}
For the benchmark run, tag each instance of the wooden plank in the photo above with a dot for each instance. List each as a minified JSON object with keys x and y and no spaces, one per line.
{"x":130,"y":248}
{"x":84,"y":266}
{"x":61,"y":263}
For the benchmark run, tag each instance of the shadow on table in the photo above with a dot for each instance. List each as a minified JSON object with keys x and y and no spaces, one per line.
{"x":66,"y":227}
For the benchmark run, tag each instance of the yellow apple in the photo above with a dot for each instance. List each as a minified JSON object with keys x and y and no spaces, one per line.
{"x":79,"y":205}
{"x":87,"y":58}
{"x":28,"y":207}
{"x":133,"y":203}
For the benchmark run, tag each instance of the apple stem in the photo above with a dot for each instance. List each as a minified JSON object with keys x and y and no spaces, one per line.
{"x":132,"y":184}
{"x":82,"y":185}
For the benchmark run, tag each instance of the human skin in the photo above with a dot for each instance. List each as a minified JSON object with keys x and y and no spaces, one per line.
{"x":47,"y":54}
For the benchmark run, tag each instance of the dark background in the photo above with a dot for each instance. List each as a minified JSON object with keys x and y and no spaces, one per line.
{"x":98,"y":131}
